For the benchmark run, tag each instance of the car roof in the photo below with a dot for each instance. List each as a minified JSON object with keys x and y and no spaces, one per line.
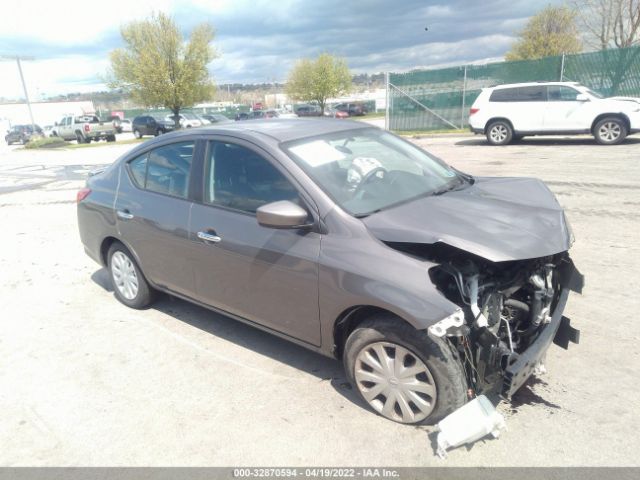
{"x":282,"y":130}
{"x":532,"y":84}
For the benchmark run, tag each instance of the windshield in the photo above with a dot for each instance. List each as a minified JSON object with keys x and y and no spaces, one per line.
{"x":367,"y":170}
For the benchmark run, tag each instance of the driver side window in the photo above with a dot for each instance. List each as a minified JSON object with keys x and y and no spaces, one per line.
{"x":239,"y":178}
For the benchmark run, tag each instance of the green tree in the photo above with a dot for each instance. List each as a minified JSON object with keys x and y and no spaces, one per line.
{"x":159,"y":69}
{"x":319,"y":79}
{"x":553,"y":31}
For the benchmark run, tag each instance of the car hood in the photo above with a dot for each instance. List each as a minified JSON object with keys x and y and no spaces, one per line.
{"x":499,"y":219}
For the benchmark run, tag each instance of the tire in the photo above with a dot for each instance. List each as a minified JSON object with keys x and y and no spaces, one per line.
{"x":137,"y":134}
{"x":442,"y":382}
{"x":111,"y":138}
{"x":499,"y":133}
{"x":22,"y":142}
{"x":125,"y":274}
{"x":610,"y":131}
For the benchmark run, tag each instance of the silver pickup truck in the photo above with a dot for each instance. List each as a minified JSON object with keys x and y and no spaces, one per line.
{"x":84,"y":128}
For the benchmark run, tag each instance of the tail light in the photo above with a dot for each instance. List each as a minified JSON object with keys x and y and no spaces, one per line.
{"x":82,"y":194}
{"x":473,"y":110}
{"x":86,"y":127}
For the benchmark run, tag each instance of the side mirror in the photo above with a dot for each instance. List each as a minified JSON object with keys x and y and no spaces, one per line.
{"x":581,"y":97}
{"x":282,"y":214}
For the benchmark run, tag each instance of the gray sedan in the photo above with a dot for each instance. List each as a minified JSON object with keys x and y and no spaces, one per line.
{"x":431,"y":286}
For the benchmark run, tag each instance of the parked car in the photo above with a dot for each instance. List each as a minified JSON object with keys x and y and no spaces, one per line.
{"x":22,"y":134}
{"x":316,"y":231}
{"x":216,"y":118}
{"x":187,"y":120}
{"x":84,"y":129}
{"x":352,"y":108}
{"x":332,"y":112}
{"x":125,"y":125}
{"x":149,"y":125}
{"x":510,"y":112}
{"x":254,"y":115}
{"x":308,"y":111}
{"x":116,"y":121}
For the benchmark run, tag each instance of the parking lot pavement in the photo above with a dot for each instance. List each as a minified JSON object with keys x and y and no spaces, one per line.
{"x":86,"y":381}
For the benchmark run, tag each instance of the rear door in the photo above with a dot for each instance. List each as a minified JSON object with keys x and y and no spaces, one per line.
{"x":152,"y":213}
{"x":523,"y":106}
{"x":265,"y":275}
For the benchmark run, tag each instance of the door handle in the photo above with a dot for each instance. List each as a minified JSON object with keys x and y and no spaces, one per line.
{"x":124,"y":214}
{"x":209,"y":237}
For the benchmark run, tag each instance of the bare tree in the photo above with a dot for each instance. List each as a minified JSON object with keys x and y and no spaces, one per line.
{"x":609,"y":23}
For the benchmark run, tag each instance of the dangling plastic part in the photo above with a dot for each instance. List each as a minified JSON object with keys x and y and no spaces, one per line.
{"x":469,"y":423}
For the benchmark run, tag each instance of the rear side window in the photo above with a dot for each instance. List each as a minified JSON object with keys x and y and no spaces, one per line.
{"x":536,"y":93}
{"x":164,"y":170}
{"x":138,"y":168}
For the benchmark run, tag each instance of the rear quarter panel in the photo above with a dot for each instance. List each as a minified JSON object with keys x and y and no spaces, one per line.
{"x":96,"y":217}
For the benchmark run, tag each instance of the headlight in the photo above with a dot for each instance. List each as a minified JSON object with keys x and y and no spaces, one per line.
{"x":572,"y":237}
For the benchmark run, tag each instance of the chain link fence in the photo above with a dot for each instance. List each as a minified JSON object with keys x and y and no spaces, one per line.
{"x":440,"y":99}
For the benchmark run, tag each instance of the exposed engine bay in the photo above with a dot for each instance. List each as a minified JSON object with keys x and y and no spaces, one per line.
{"x":504,"y":309}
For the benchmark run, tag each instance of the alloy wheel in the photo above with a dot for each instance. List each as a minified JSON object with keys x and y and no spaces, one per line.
{"x":499,"y":133}
{"x":124,"y":275}
{"x":395,"y":382}
{"x":610,"y":131}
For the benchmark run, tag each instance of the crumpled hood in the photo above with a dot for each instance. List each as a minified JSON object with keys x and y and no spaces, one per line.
{"x":498,"y":219}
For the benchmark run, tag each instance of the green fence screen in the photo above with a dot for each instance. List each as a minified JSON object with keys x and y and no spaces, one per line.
{"x":440,"y":99}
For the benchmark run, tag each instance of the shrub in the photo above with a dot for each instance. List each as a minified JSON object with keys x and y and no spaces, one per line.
{"x":45,"y":142}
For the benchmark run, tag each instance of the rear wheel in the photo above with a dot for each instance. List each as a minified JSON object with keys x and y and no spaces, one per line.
{"x":610,"y":131}
{"x":402,"y":373}
{"x":129,"y":285}
{"x":499,"y":133}
{"x":111,"y":138}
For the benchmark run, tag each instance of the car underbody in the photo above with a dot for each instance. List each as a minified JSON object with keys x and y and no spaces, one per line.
{"x":510,"y":312}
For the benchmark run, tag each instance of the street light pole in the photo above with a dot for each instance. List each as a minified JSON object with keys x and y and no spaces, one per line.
{"x":24,"y":85}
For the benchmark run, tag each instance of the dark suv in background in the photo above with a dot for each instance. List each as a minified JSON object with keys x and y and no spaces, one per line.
{"x":150,"y":125}
{"x":22,"y":134}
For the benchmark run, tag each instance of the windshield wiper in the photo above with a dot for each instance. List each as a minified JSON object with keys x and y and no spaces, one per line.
{"x":449,"y":187}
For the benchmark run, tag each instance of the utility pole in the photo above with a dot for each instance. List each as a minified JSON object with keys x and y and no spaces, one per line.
{"x":24,"y":85}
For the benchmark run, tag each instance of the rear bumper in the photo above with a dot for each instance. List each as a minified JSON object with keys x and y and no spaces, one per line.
{"x":558,"y":331}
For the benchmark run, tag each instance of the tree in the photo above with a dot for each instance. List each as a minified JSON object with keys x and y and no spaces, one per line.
{"x":158,"y":68}
{"x":553,"y":31}
{"x":610,"y":23}
{"x":320,"y":79}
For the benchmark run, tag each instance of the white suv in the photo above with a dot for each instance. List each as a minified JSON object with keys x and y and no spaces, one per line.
{"x":509,"y":112}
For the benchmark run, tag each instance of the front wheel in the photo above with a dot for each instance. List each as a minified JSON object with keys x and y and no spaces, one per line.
{"x":129,"y":284}
{"x":137,"y":134}
{"x":499,"y":133}
{"x":402,"y":373}
{"x":610,"y":131}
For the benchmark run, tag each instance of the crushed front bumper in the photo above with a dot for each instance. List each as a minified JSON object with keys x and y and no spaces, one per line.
{"x":558,"y":331}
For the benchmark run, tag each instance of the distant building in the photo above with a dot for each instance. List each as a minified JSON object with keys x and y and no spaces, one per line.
{"x":44,"y":113}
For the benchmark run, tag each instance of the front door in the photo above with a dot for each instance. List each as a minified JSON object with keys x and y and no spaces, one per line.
{"x":265,"y":275}
{"x":564,"y":112}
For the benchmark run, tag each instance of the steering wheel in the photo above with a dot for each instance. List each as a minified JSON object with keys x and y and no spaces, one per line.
{"x":368,"y":176}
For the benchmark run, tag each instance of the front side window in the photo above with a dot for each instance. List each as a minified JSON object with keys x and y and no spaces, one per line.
{"x":239,"y":178}
{"x":165,"y":169}
{"x":366,"y":170}
{"x":559,"y":93}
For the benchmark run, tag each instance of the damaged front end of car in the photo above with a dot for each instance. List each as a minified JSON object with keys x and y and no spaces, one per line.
{"x":510,"y":312}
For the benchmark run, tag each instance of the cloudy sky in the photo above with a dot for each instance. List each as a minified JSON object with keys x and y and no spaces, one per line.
{"x":258,"y":40}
